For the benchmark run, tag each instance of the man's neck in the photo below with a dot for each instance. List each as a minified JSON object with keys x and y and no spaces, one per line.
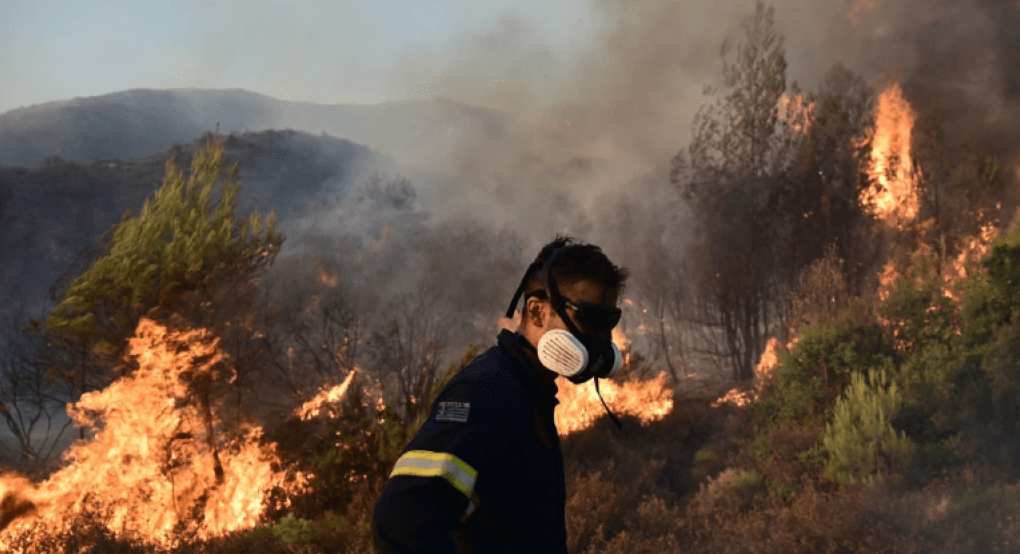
{"x":545,"y":377}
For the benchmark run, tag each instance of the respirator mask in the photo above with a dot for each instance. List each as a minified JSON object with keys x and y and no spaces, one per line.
{"x":577,"y":356}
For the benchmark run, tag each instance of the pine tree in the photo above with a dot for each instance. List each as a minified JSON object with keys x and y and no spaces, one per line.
{"x":861,"y":441}
{"x":730,"y":175}
{"x":165,"y":259}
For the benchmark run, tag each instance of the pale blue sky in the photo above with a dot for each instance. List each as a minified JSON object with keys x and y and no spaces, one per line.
{"x":328,"y":52}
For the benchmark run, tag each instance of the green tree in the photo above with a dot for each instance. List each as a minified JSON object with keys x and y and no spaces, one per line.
{"x":186,"y":253}
{"x":861,"y":441}
{"x":821,"y":201}
{"x":730,"y":174}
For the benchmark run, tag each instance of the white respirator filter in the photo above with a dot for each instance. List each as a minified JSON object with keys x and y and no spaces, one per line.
{"x":562,"y":352}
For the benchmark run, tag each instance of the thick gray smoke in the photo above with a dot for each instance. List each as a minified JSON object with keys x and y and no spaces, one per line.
{"x":587,"y":139}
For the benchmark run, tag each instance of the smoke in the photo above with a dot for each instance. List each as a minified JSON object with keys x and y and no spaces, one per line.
{"x":587,"y":134}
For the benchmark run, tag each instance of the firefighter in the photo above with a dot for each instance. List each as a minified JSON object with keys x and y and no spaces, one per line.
{"x":485,"y":472}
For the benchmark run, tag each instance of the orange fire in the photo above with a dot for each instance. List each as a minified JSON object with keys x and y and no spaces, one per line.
{"x":766,"y":365}
{"x":887,"y":279}
{"x":324,"y":276}
{"x":974,"y":249}
{"x":313,"y":407}
{"x":580,"y":406}
{"x":796,"y":111}
{"x":894,"y":196}
{"x":156,"y":458}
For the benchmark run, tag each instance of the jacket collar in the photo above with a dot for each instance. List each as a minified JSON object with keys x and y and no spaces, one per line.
{"x":540,"y":380}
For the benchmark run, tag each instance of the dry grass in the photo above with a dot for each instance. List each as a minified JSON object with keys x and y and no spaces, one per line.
{"x":684,"y":484}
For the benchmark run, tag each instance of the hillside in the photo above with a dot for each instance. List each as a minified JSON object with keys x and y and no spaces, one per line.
{"x":136,"y":123}
{"x":61,"y":207}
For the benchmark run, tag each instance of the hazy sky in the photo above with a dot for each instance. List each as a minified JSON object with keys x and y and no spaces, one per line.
{"x":324,"y":51}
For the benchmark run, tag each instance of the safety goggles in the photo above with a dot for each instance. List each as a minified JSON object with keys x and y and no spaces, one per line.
{"x":594,"y":317}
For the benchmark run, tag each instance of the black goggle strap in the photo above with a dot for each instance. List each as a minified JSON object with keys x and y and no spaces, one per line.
{"x":520,"y":291}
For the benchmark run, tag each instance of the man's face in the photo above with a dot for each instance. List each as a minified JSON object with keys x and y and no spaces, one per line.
{"x":580,"y":291}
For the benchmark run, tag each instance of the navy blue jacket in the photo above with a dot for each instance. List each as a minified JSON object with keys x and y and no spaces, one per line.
{"x":485,"y":472}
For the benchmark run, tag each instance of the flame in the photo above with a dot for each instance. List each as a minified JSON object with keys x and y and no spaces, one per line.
{"x":579,"y":406}
{"x":324,"y":276}
{"x":311,"y":409}
{"x":796,"y":111}
{"x":154,"y":461}
{"x":974,"y":249}
{"x":887,"y":279}
{"x":894,"y":199}
{"x":769,"y":359}
{"x":768,"y":362}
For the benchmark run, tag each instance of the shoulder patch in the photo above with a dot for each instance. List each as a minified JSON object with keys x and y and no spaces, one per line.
{"x":456,"y":412}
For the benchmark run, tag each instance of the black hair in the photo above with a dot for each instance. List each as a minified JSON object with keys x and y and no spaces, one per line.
{"x":577,"y":262}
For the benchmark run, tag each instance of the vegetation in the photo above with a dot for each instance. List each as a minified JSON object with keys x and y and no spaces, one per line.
{"x":891,"y":422}
{"x":733,"y":171}
{"x":187,"y":236}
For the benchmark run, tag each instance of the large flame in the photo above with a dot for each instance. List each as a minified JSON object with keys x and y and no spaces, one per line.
{"x":157,"y":462}
{"x":894,"y":198}
{"x":580,"y":406}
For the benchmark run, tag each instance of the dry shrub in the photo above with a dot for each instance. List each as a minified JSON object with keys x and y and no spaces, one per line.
{"x":650,"y":531}
{"x":814,"y":522}
{"x":959,"y":515}
{"x":592,"y":498}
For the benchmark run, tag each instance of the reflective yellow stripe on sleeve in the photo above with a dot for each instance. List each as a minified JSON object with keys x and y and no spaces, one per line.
{"x":423,"y":463}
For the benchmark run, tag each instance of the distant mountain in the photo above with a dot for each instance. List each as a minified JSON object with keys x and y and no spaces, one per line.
{"x":136,"y":123}
{"x":50,"y":213}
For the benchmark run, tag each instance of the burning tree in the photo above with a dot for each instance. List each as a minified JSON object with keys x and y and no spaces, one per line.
{"x":157,"y":469}
{"x":187,"y":254}
{"x":181,"y":243}
{"x":732,"y":172}
{"x":824,"y":215}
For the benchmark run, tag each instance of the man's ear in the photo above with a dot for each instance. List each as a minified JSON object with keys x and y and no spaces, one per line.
{"x":535,"y":312}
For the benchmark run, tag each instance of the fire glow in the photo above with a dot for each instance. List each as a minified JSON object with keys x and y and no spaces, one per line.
{"x":156,"y":464}
{"x":579,"y":406}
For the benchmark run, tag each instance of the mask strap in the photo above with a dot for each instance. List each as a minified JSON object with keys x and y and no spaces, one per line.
{"x":520,"y":291}
{"x":616,"y":420}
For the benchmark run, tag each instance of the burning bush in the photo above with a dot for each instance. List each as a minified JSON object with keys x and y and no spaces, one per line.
{"x":157,"y":464}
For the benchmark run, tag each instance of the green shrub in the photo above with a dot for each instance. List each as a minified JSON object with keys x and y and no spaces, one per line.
{"x":704,"y":455}
{"x":810,"y":377}
{"x":294,"y":530}
{"x":917,"y":311}
{"x":861,"y":441}
{"x":746,"y":479}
